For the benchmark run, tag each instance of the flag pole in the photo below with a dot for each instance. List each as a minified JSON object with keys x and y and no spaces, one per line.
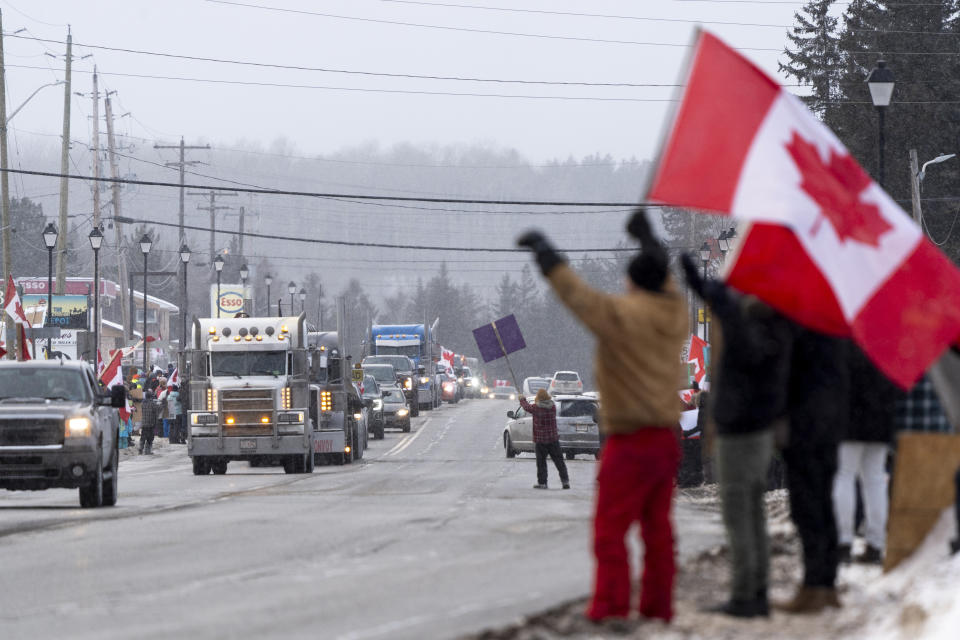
{"x":496,"y":332}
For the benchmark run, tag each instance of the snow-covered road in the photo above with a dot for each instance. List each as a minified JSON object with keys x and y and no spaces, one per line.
{"x":434,"y":534}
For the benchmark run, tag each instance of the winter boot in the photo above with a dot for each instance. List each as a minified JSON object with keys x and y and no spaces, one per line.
{"x":870,"y":555}
{"x":810,"y":600}
{"x":843,"y":553}
{"x":566,"y":484}
{"x":540,"y":486}
{"x":140,"y":447}
{"x":149,"y":450}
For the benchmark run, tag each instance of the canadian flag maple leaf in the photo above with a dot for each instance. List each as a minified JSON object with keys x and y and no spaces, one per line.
{"x":837,"y":187}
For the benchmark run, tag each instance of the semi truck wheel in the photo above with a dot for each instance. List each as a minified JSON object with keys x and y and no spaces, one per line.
{"x":220,"y":467}
{"x":200,"y":467}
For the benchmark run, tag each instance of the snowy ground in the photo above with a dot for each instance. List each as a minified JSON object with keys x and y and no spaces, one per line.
{"x":920,"y":599}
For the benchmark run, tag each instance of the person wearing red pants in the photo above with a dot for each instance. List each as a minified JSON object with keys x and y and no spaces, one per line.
{"x":639,"y":336}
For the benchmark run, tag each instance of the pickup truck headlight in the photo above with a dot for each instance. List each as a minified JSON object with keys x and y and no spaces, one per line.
{"x":402,"y":412}
{"x":77,"y":427}
{"x":408,"y":383}
{"x":377,"y":404}
{"x":290,"y":416}
{"x":203,"y":418}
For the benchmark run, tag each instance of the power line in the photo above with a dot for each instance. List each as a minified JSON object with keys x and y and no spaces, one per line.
{"x":463,"y":29}
{"x":382,"y":74}
{"x":419,"y":92}
{"x":373,"y":245}
{"x":310,"y":194}
{"x":451,"y":5}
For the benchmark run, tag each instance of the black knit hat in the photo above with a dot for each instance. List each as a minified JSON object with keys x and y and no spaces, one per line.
{"x":649,"y":269}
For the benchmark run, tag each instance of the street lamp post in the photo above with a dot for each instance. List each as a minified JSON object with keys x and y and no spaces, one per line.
{"x":303,"y":299}
{"x":184,"y":260}
{"x":880,"y":82}
{"x":218,"y":265}
{"x":50,"y":235}
{"x":268,"y":280}
{"x":292,"y":289}
{"x":145,"y":244}
{"x":705,"y":252}
{"x":96,"y":241}
{"x":244,"y":272}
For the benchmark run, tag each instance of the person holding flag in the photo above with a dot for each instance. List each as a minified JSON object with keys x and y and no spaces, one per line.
{"x":640,"y":334}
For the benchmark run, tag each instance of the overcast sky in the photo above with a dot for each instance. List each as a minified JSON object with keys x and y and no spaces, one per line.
{"x":355,"y":35}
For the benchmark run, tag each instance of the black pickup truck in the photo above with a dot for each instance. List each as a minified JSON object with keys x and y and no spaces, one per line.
{"x":58,"y":430}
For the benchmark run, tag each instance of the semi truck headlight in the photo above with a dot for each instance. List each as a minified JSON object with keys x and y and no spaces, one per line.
{"x":402,"y":412}
{"x":290,"y":416}
{"x":290,"y":429}
{"x":424,"y":380}
{"x":326,"y":401}
{"x":286,"y":398}
{"x":484,"y":390}
{"x":203,"y":431}
{"x":358,"y":417}
{"x":78,"y":427}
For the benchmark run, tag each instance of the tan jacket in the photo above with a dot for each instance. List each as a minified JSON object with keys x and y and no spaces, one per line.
{"x":639,"y":338}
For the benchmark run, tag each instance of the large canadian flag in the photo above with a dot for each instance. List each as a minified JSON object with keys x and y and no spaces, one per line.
{"x":446,"y":354}
{"x":826,"y":245}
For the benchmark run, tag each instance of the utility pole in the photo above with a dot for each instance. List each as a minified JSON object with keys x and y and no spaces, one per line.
{"x":213,"y":208}
{"x":5,"y":187}
{"x":117,"y":227}
{"x":96,"y":151}
{"x":915,"y":186}
{"x":64,"y":170}
{"x":241,"y":230}
{"x":182,"y":164}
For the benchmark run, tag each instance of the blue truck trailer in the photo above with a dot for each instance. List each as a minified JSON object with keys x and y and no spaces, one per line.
{"x":417,"y":342}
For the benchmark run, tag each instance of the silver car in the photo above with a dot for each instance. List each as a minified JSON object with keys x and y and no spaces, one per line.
{"x":565,"y":382}
{"x":576,"y":425}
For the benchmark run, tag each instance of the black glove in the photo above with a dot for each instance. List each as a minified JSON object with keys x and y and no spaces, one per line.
{"x":639,"y":228}
{"x":547,"y":256}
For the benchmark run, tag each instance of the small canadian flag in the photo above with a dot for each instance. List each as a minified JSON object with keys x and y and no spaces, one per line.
{"x":828,"y":247}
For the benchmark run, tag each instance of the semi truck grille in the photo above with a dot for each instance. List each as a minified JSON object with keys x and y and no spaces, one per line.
{"x":251,"y":410}
{"x":24,"y":432}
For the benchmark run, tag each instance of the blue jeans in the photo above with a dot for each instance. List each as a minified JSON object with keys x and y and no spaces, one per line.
{"x":166,"y":427}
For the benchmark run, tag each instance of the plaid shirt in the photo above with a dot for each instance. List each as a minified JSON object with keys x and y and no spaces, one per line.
{"x":920,"y":410}
{"x":544,"y":421}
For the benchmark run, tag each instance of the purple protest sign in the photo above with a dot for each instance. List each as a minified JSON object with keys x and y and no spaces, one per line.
{"x":509,"y":332}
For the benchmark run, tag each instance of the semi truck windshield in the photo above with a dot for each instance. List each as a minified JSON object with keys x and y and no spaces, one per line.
{"x":249,"y":363}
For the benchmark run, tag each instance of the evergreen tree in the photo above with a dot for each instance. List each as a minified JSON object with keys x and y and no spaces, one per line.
{"x":815,"y":58}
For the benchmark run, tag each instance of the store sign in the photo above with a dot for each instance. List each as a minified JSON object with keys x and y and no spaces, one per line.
{"x":231,"y":300}
{"x":69,"y":312}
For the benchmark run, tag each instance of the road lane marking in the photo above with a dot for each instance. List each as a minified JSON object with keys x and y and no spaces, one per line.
{"x":404,"y":443}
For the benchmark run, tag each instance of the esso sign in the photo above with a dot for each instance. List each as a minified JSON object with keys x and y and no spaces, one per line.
{"x":231,"y":302}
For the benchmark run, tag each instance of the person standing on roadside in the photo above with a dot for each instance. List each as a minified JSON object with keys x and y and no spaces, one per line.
{"x":173,"y":415}
{"x":149,"y":416}
{"x":546,"y":439}
{"x":863,"y":455}
{"x":750,"y":394}
{"x":639,"y":336}
{"x":818,"y":397}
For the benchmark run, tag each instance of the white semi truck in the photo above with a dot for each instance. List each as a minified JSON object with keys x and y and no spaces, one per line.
{"x":249,"y":397}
